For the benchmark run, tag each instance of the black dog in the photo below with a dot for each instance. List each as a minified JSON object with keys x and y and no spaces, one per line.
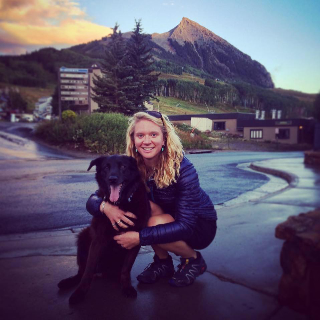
{"x":119,"y":183}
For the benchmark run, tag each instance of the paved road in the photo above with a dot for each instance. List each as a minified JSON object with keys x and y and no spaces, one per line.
{"x":48,"y":190}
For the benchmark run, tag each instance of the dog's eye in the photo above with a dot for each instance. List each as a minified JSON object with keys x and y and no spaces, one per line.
{"x":122,"y":167}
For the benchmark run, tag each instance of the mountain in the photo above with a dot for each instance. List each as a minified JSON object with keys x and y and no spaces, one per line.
{"x":205,"y":50}
{"x":191,"y":44}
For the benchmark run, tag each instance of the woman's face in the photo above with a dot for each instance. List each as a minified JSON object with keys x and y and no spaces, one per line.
{"x":148,"y":139}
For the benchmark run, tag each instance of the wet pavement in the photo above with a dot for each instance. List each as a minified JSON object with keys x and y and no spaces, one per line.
{"x":241,"y":281}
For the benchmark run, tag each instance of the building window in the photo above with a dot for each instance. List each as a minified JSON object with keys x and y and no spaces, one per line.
{"x":219,"y":126}
{"x":284,"y":134}
{"x":256,"y":134}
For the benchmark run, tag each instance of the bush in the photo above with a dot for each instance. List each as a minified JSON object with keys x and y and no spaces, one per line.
{"x":198,"y":141}
{"x":68,"y":115}
{"x":100,"y":132}
{"x":186,"y":128}
{"x":104,"y":133}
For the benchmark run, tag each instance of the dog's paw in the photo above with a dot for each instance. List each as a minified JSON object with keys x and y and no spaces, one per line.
{"x":69,"y":282}
{"x":130,"y":292}
{"x":77,"y":297}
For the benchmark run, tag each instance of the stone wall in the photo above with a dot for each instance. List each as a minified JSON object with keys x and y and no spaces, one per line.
{"x":299,"y":286}
{"x":312,"y":157}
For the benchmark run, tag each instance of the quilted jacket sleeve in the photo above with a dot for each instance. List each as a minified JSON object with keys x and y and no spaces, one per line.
{"x":187,"y":205}
{"x":93,"y":205}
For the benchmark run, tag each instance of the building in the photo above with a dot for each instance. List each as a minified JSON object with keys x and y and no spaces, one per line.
{"x":223,"y":122}
{"x":43,"y":108}
{"x":75,"y":88}
{"x":289,"y":131}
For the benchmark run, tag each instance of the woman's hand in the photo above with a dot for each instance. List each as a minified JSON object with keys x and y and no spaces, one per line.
{"x":128,"y":240}
{"x":116,"y":216}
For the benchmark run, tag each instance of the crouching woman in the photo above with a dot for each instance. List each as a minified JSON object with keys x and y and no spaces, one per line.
{"x":183,"y":218}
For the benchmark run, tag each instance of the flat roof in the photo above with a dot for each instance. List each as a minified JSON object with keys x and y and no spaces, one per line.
{"x":213,"y":116}
{"x":275,"y":123}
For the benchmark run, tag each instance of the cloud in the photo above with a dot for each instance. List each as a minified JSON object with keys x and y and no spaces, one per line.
{"x":26,"y":24}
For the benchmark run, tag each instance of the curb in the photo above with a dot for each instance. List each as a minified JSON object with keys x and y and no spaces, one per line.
{"x":292,"y":179}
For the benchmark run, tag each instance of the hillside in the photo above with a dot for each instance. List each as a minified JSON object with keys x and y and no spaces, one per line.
{"x":306,"y":97}
{"x":198,"y":69}
{"x":191,"y":45}
{"x":195,"y":45}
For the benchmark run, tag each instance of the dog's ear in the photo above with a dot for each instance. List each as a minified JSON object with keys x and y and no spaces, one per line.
{"x":133,"y":160}
{"x":96,"y":162}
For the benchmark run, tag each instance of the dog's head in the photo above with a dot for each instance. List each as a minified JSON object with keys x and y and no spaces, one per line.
{"x":117,"y":176}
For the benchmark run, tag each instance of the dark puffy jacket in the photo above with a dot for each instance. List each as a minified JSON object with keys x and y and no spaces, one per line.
{"x":184,"y":200}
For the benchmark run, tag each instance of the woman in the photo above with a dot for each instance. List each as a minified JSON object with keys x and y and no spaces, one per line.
{"x":183,"y":217}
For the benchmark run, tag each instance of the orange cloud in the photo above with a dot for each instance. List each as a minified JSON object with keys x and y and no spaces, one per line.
{"x":25,"y":23}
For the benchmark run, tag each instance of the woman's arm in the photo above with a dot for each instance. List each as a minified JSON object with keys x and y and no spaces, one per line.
{"x":97,"y":207}
{"x":190,"y":198}
{"x":93,"y":205}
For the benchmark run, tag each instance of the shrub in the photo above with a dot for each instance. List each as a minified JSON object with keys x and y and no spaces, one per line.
{"x":186,"y":128}
{"x":68,"y":115}
{"x":104,"y":133}
{"x":198,"y":141}
{"x":100,"y":132}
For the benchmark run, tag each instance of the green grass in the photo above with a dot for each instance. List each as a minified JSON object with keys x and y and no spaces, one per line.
{"x":172,"y":106}
{"x":184,"y":76}
{"x":168,"y":105}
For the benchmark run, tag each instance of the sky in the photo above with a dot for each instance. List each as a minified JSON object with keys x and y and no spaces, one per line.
{"x":283,"y":35}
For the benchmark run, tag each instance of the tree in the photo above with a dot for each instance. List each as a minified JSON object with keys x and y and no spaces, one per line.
{"x":113,"y":89}
{"x":316,"y":107}
{"x":141,"y":63}
{"x":16,"y":102}
{"x":55,"y":101}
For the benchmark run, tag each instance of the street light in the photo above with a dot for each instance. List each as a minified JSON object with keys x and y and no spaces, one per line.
{"x":300,"y":134}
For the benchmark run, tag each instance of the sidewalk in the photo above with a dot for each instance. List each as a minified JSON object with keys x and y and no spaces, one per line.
{"x":240,"y":283}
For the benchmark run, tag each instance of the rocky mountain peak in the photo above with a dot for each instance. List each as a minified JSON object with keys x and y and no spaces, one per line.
{"x":199,"y":47}
{"x":190,"y":31}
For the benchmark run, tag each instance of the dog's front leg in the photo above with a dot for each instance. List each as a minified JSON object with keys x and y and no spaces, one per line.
{"x":127,"y":289}
{"x":93,"y":257}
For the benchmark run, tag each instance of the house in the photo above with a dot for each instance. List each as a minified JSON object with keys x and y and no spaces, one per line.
{"x":223,"y":122}
{"x":43,"y":108}
{"x":290,"y":131}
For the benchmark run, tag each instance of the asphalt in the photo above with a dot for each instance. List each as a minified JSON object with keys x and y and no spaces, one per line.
{"x":241,"y":281}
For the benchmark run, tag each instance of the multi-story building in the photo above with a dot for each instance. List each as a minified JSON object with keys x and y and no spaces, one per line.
{"x":75,"y":88}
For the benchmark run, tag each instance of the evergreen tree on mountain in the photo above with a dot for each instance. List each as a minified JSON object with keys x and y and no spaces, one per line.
{"x":141,"y":62}
{"x":112,"y":90}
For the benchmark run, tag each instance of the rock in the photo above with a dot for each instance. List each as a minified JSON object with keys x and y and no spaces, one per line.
{"x":299,"y":286}
{"x":312,"y":157}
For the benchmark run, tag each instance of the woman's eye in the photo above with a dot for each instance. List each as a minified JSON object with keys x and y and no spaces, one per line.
{"x":153,"y":135}
{"x":140,"y":136}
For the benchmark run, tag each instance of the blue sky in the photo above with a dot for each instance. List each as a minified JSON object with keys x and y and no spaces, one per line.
{"x":282,"y":35}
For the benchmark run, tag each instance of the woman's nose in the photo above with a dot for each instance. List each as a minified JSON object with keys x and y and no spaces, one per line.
{"x":147,"y":139}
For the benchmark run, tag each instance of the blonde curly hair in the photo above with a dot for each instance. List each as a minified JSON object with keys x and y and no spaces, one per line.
{"x":170,"y":158}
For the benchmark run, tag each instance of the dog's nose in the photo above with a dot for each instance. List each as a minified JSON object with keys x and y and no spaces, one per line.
{"x":113,"y":179}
